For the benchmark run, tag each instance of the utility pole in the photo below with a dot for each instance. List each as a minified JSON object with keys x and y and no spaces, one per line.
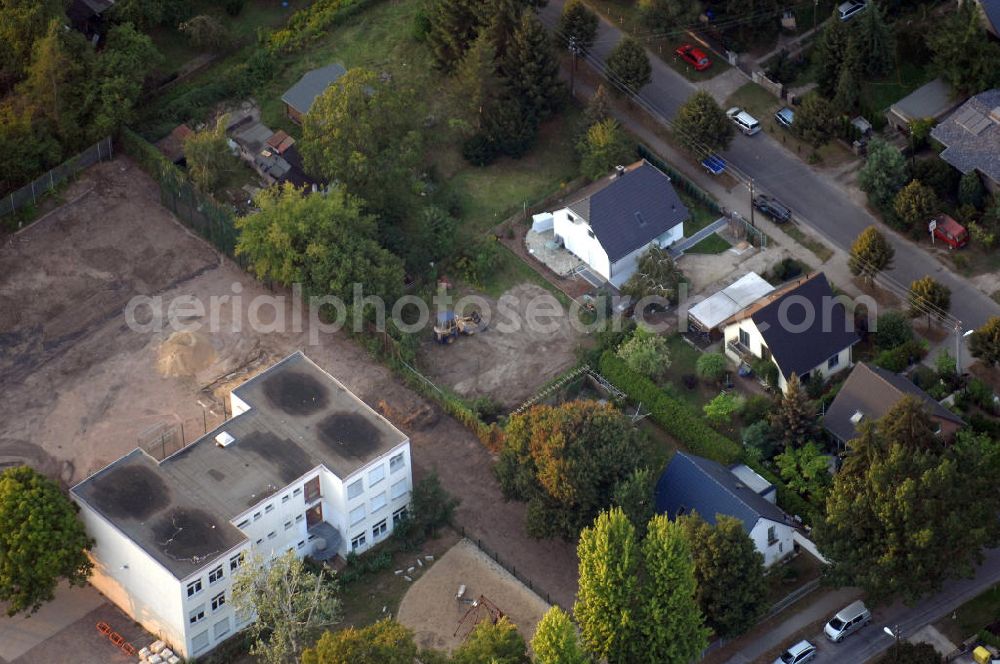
{"x":575,"y":50}
{"x":815,"y":13}
{"x":752,"y":220}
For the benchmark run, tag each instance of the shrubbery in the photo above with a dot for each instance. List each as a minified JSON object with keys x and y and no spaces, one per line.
{"x":899,"y":358}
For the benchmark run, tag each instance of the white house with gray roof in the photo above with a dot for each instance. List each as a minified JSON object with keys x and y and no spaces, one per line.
{"x":694,"y":484}
{"x":612,"y":222}
{"x":303,"y":465}
{"x":971,"y":137}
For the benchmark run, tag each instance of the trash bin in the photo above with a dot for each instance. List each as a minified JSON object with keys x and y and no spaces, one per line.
{"x":981,"y":655}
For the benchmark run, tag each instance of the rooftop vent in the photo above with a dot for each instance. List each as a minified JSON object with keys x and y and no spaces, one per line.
{"x":995,"y":114}
{"x":224,"y":439}
{"x":638,"y":218}
{"x":619,"y":171}
{"x":857,"y":417}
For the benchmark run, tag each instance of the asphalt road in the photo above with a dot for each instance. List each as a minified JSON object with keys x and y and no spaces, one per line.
{"x":814,"y":199}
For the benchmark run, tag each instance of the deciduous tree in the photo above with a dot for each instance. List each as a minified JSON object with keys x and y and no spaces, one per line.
{"x":598,"y":108}
{"x":634,"y":496}
{"x":729,"y":571}
{"x":806,"y":471}
{"x":892,"y":329}
{"x":567,"y":461}
{"x":291,"y":604}
{"x":815,"y":120}
{"x":929,"y":298}
{"x":664,"y":14}
{"x":385,"y":642}
{"x":915,"y":204}
{"x":41,"y":540}
{"x":361,"y":133}
{"x":671,"y":626}
{"x":712,"y":366}
{"x":985,"y":342}
{"x":629,"y":65}
{"x":206,"y":33}
{"x":24,"y":22}
{"x":604,"y":146}
{"x":605,"y":598}
{"x":578,"y":24}
{"x":647,"y":353}
{"x":701,"y":126}
{"x":498,"y":643}
{"x":870,"y":254}
{"x":324,"y":242}
{"x":555,"y":640}
{"x":794,"y":418}
{"x":722,"y":408}
{"x":971,"y":190}
{"x":904,"y":652}
{"x":883,"y":174}
{"x":207,"y":155}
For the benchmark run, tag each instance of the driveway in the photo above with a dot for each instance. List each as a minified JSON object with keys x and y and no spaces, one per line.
{"x":814,"y":198}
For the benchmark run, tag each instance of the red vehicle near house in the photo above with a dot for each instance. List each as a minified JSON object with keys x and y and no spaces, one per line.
{"x":694,"y":57}
{"x":950,"y":232}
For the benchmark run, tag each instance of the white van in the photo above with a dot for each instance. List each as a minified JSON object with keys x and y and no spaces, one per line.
{"x":848,"y":9}
{"x":847,"y":621}
{"x":747,"y":123}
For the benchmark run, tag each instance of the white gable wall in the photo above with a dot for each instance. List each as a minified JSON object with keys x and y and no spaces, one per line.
{"x":776,"y":548}
{"x":579,"y":239}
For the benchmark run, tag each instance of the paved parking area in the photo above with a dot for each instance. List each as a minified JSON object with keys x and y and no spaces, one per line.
{"x":19,"y":635}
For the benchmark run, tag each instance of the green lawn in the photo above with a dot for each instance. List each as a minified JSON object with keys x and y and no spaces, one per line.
{"x":972,"y":616}
{"x":713,"y":244}
{"x":880,"y":94}
{"x":701,"y":216}
{"x":822,"y":252}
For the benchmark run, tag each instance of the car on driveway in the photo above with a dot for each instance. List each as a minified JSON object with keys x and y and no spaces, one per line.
{"x":694,"y":57}
{"x":803,"y":651}
{"x":848,"y":10}
{"x":785,"y":117}
{"x":772,"y":207}
{"x":744,"y":121}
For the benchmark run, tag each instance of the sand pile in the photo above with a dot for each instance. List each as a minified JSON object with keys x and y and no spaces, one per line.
{"x":185,"y":354}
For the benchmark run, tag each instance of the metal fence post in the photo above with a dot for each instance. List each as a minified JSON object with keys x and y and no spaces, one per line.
{"x":33,"y":201}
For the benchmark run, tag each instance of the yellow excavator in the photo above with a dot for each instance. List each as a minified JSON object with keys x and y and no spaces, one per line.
{"x":449,"y":326}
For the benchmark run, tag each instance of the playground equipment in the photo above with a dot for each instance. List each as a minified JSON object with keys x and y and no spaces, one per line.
{"x":479,"y":609}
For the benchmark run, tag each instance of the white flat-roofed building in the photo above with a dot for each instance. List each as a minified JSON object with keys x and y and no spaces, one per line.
{"x":303,"y":465}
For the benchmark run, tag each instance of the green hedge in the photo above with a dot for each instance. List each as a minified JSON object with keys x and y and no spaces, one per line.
{"x":675,"y":417}
{"x":683,"y":423}
{"x":312,"y":22}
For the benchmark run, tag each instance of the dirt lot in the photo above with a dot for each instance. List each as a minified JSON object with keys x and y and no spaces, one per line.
{"x":511,"y":358}
{"x":431,"y":610}
{"x":81,"y":388}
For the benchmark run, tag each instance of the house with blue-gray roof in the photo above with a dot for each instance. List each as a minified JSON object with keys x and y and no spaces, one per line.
{"x":694,"y":484}
{"x":610,"y":223}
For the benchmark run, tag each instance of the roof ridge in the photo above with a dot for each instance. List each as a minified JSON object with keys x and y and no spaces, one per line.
{"x":714,"y":479}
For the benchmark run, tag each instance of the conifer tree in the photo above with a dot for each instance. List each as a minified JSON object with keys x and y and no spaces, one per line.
{"x":876,"y":46}
{"x":578,"y":24}
{"x":532,"y":70}
{"x":794,"y":418}
{"x":454,"y":24}
{"x":477,"y":85}
{"x":629,"y":64}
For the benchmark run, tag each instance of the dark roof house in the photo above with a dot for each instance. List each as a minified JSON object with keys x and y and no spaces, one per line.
{"x":300,"y":97}
{"x":802,"y":324}
{"x":630,"y":209}
{"x":932,"y":100}
{"x":991,"y":15}
{"x":694,"y":484}
{"x":971,"y":136}
{"x":869,"y":393}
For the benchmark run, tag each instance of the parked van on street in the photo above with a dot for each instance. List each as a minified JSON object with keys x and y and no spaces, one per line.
{"x":847,"y":621}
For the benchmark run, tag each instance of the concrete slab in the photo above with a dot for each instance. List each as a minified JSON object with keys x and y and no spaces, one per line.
{"x":930,"y":634}
{"x":18,"y":635}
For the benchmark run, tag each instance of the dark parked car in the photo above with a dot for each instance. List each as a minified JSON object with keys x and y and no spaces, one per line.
{"x":772,"y":208}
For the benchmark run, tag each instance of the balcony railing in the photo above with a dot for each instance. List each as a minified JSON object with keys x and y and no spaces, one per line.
{"x":741,"y":351}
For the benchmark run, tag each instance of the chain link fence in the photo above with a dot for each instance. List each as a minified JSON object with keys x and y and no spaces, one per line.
{"x":200,"y":212}
{"x":32,"y":192}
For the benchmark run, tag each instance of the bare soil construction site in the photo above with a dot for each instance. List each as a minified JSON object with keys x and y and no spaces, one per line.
{"x":82,"y":388}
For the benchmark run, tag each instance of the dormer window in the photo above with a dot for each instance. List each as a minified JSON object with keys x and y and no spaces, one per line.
{"x":857,"y":417}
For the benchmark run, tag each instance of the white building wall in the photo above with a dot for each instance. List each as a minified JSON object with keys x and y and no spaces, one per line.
{"x":579,"y":240}
{"x":134,"y":581}
{"x":215,"y":624}
{"x":782,"y":546}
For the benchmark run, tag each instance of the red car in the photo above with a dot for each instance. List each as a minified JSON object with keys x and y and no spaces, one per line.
{"x":694,"y":57}
{"x":950,"y":231}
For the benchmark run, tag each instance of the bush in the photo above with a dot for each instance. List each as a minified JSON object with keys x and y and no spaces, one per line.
{"x":766,"y":370}
{"x":892,"y":329}
{"x":723,"y":407}
{"x":711,"y":366}
{"x":676,"y":418}
{"x":757,"y":407}
{"x":312,"y":22}
{"x":786,"y":269}
{"x":234,"y":7}
{"x":981,"y":394}
{"x":480,"y":150}
{"x":901,"y":357}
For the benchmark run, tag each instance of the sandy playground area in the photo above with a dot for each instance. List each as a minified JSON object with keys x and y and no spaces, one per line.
{"x":431,"y":610}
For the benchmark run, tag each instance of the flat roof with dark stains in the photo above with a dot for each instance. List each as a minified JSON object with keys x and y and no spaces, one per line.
{"x":180,"y":510}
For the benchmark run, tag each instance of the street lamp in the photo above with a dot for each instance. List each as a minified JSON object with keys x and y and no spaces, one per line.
{"x":958,"y":349}
{"x":894,"y":633}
